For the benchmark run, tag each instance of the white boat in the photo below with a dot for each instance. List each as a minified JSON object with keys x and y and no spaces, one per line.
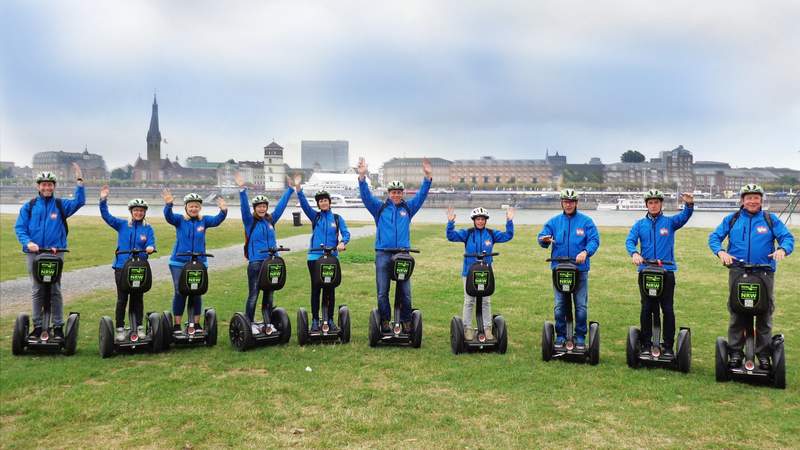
{"x":340,"y":201}
{"x":718,"y":204}
{"x":623,"y":204}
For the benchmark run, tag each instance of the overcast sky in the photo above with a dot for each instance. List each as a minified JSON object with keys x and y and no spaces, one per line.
{"x":456,"y":79}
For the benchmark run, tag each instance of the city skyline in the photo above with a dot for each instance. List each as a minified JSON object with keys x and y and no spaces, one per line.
{"x":511,"y":79}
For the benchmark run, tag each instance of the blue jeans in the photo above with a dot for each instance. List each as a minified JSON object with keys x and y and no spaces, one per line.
{"x":402,"y":292}
{"x":178,"y":300}
{"x":37,"y":293}
{"x":581,"y":307}
{"x":252,"y":297}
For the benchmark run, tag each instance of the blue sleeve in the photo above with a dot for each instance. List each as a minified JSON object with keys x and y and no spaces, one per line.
{"x":112,"y":221}
{"x":372,"y":204}
{"x":21,"y":227}
{"x":454,"y":235}
{"x":171,"y":217}
{"x":718,"y":235}
{"x":216,"y":220}
{"x":680,"y":220}
{"x":345,"y":232}
{"x":244,"y":204}
{"x":782,"y":235}
{"x":632,"y":240}
{"x":593,"y":238}
{"x":500,"y":236}
{"x":416,"y":203}
{"x":546,"y":231}
{"x":281,"y":206}
{"x":310,"y":212}
{"x":71,"y":206}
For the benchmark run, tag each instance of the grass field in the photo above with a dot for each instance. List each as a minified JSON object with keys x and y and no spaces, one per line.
{"x":93,"y":241}
{"x":356,"y":396}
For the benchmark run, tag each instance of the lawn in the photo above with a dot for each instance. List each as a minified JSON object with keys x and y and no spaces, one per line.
{"x":356,"y":396}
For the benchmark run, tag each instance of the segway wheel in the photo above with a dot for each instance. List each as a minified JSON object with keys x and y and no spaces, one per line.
{"x":594,"y":343}
{"x":721,"y":361}
{"x":416,"y":328}
{"x":456,"y":335}
{"x":548,"y":333}
{"x":106,"y":338}
{"x":344,"y":324}
{"x":155,"y":322}
{"x":632,"y":348}
{"x":166,"y":324}
{"x":684,"y":350}
{"x":18,"y":341}
{"x":374,"y":327}
{"x":71,"y":334}
{"x":240,"y":333}
{"x":778,"y":363}
{"x":302,"y":326}
{"x":211,"y":327}
{"x":501,"y":332}
{"x":281,"y":319}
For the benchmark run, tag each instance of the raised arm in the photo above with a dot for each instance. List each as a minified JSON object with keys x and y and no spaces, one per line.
{"x":281,"y":206}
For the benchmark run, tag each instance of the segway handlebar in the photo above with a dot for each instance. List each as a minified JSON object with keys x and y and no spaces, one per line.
{"x":480,"y":255}
{"x":324,"y":249}
{"x":657,"y":262}
{"x":399,"y":250}
{"x":50,"y":250}
{"x":195,"y":254}
{"x":562,"y":259}
{"x":273,"y":250}
{"x":742,"y":264}
{"x":134,"y":252}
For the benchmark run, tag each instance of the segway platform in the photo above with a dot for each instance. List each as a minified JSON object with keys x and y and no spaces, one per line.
{"x":324,"y":335}
{"x":190,"y":335}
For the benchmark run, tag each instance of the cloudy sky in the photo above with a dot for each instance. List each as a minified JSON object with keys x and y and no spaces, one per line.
{"x":455,"y":79}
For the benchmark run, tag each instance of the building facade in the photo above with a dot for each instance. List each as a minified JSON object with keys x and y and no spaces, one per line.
{"x":488,"y":171}
{"x":325,"y":156}
{"x":274,"y":168}
{"x":92,"y":165}
{"x":409,"y":170}
{"x":644,"y":175}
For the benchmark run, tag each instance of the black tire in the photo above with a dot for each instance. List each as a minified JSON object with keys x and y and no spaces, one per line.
{"x":211,"y":327}
{"x":594,"y":344}
{"x":779,"y":366}
{"x":281,"y":320}
{"x":501,"y":332}
{"x":156,"y":330}
{"x":721,"y":361}
{"x":167,"y":320}
{"x":416,"y":328}
{"x":548,"y":335}
{"x":684,"y":350}
{"x":106,"y":337}
{"x":20,"y":339}
{"x":344,"y":324}
{"x":632,"y":348}
{"x":71,"y":334}
{"x":374,"y":327}
{"x":456,"y":335}
{"x":241,"y":335}
{"x":302,"y":327}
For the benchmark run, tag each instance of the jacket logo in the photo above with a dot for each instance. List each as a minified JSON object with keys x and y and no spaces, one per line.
{"x":403,"y":213}
{"x":200,"y":229}
{"x":333,"y":225}
{"x":761,"y":229}
{"x":664,"y":232}
{"x":53,"y":216}
{"x":142,"y":237}
{"x":269,"y":225}
{"x":579,"y":232}
{"x":487,"y":242}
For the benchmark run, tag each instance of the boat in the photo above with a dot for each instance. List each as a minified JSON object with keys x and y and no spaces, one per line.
{"x":623,"y":204}
{"x":718,"y":204}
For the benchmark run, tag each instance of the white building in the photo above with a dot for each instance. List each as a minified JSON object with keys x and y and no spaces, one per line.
{"x":339,"y":183}
{"x":274,"y":169}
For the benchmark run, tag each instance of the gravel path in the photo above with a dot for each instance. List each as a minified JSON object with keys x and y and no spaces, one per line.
{"x":15,"y":295}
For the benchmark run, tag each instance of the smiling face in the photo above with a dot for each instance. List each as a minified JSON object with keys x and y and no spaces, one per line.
{"x":193,"y":209}
{"x":261,"y":209}
{"x":752,"y":202}
{"x":479,"y":222}
{"x":654,"y":206}
{"x":324,"y":204}
{"x":569,"y":206}
{"x":46,"y":188}
{"x":396,"y":196}
{"x":138,"y":213}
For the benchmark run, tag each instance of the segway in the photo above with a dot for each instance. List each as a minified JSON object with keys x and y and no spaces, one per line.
{"x":402,"y":268}
{"x":275,"y":327}
{"x":480,"y":283}
{"x":326,"y":273}
{"x":565,"y":280}
{"x":193,"y":281}
{"x":749,"y":296}
{"x":47,"y":268}
{"x":136,"y":278}
{"x":651,"y":284}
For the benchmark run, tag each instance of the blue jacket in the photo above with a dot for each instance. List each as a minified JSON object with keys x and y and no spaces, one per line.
{"x":573,"y":234}
{"x":131,"y":235}
{"x":656,"y":235}
{"x":263,"y":233}
{"x":190,"y":234}
{"x":44,"y":227}
{"x":478,"y":241}
{"x":393,"y":225}
{"x":325,"y":231}
{"x":751,"y":239}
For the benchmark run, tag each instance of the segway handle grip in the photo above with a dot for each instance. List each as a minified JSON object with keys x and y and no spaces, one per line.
{"x":740,"y":263}
{"x":194,"y":254}
{"x":135,"y":251}
{"x":658,"y":262}
{"x":480,"y":255}
{"x":565,"y":259}
{"x":400,"y":250}
{"x":273,"y":250}
{"x":52,"y":250}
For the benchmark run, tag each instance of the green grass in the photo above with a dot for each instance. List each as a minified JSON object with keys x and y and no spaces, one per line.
{"x":93,"y":241}
{"x":356,"y":396}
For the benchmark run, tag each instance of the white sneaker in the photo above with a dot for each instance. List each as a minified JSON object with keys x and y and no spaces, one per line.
{"x":256,"y":329}
{"x":140,"y":330}
{"x":469,"y":333}
{"x":120,"y":334}
{"x":487,"y":331}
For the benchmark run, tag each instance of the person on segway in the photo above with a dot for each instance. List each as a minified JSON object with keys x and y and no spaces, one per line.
{"x":259,"y":235}
{"x":655,"y":235}
{"x":393,"y":221}
{"x":752,"y":233}
{"x":133,"y":233}
{"x":573,"y":235}
{"x":190,"y":237}
{"x":41,"y":225}
{"x":326,"y":227}
{"x":476,"y":240}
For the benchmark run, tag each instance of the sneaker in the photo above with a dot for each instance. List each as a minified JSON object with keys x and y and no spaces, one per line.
{"x":385,"y":327}
{"x":763,"y":362}
{"x":668,"y":353}
{"x":487,"y":331}
{"x":120,"y":334}
{"x":332,"y":328}
{"x":37,"y":331}
{"x":560,"y":342}
{"x":407,"y":327}
{"x":254,"y":328}
{"x":58,"y":332}
{"x":197,"y":328}
{"x":176,"y":329}
{"x":580,"y":343}
{"x":735,"y":359}
{"x":469,"y":333}
{"x":140,"y":330}
{"x":644,"y":350}
{"x":315,"y":326}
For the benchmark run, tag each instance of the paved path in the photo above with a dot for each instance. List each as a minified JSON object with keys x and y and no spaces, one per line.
{"x":15,"y":295}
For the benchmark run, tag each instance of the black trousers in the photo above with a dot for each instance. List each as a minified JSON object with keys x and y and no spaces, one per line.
{"x":740,"y":322}
{"x":328,"y":293}
{"x":136,"y":303}
{"x":650,"y":306}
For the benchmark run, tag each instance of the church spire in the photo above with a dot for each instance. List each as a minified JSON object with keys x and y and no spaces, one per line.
{"x":154,"y":134}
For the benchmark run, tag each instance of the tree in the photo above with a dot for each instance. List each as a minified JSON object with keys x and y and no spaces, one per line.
{"x":632,"y":156}
{"x":122,"y":173}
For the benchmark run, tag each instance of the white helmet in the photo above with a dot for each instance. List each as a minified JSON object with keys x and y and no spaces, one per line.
{"x":479,"y":212}
{"x":192,"y":197}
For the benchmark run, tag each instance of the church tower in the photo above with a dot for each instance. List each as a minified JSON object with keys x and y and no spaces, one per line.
{"x":154,"y":144}
{"x":274,"y":170}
